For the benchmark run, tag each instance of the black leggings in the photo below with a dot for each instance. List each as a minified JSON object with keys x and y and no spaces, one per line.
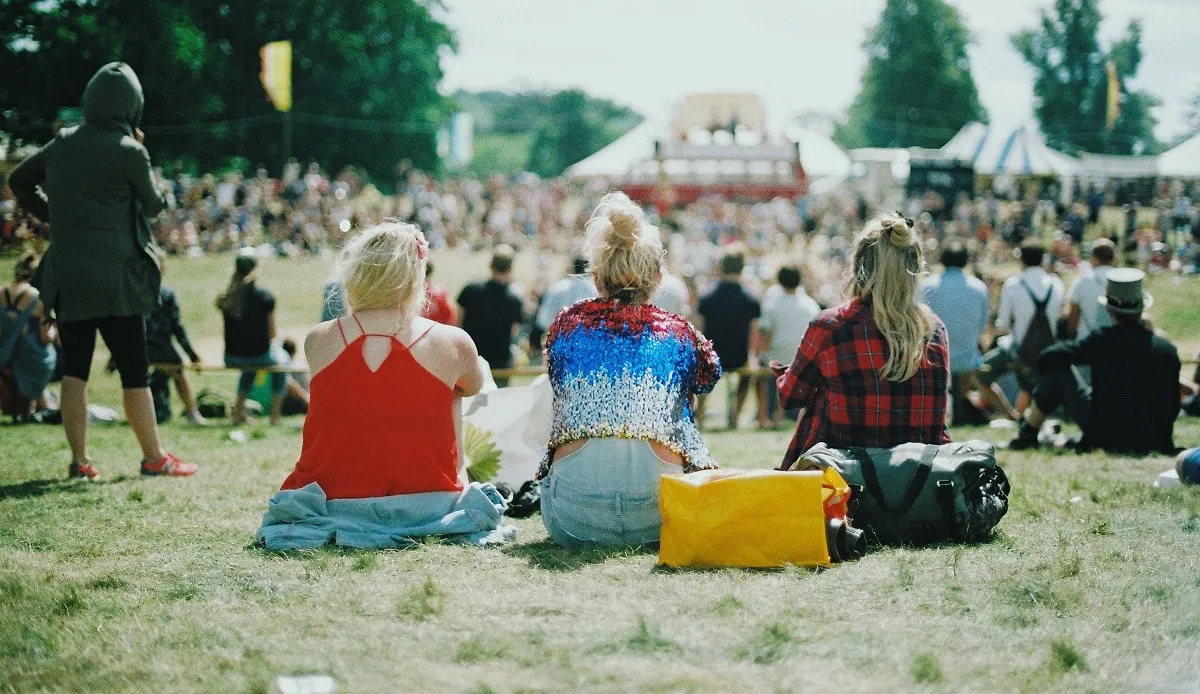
{"x":125,"y":337}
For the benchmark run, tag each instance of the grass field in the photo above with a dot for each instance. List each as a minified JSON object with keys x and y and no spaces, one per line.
{"x":132,"y":584}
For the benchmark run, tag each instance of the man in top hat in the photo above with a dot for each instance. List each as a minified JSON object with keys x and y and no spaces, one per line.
{"x":1134,"y":397}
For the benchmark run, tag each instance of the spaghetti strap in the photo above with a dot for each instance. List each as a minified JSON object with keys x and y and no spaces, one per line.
{"x":342,"y":331}
{"x":361,"y":329}
{"x":420,"y":337}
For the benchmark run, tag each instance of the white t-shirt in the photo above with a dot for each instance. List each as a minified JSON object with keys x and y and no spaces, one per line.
{"x":1016,"y":306}
{"x":787,"y":317}
{"x":565,"y":292}
{"x":1085,"y":293}
{"x":672,"y":295}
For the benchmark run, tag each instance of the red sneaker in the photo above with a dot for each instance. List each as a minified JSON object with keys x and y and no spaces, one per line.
{"x":86,"y":471}
{"x":168,"y":465}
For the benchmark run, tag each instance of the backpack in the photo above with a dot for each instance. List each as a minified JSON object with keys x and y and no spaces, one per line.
{"x":12,"y":402}
{"x":1039,"y":335}
{"x":13,"y":323}
{"x":919,"y":493}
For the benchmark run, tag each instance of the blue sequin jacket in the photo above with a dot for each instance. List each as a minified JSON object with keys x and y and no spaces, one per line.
{"x":628,"y":371}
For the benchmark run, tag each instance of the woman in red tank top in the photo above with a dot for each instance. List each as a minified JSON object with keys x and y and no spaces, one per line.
{"x":384,"y":416}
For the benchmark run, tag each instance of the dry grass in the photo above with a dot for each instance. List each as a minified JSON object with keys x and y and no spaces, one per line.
{"x":132,"y":584}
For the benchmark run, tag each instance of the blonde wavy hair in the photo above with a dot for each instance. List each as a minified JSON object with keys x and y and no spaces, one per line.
{"x":888,"y":263}
{"x":384,"y":268}
{"x":624,"y":252}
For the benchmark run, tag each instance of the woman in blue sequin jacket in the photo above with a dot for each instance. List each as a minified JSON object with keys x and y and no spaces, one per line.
{"x":625,"y":375}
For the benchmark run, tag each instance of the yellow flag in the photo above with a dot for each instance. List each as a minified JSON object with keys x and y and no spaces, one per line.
{"x":1114,"y":95}
{"x":277,"y":73}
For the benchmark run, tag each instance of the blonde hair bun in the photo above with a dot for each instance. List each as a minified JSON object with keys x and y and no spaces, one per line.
{"x":624,"y":228}
{"x":624,"y":252}
{"x":897,"y":230}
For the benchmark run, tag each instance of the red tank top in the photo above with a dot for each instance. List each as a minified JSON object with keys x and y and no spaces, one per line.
{"x":378,"y":433}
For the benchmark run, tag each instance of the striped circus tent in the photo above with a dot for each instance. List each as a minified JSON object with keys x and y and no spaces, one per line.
{"x":995,"y":151}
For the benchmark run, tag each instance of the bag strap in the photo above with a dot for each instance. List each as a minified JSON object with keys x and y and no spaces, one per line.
{"x":944,"y":493}
{"x":1039,"y":305}
{"x":920,"y":477}
{"x":12,"y":302}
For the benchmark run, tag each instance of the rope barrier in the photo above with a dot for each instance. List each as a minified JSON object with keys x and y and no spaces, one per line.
{"x":218,"y":368}
{"x":512,"y":372}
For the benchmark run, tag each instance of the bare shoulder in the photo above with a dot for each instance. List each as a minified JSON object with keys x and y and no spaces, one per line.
{"x":450,"y":338}
{"x":322,"y":345}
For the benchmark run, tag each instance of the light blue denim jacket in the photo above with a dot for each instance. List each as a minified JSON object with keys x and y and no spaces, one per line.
{"x":305,"y":519}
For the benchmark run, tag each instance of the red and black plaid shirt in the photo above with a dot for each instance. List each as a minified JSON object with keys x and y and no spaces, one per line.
{"x":836,"y":378}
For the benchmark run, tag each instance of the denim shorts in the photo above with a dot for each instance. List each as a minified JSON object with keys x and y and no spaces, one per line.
{"x":605,"y":494}
{"x":275,"y":356}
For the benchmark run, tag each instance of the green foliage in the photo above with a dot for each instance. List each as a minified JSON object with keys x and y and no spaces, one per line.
{"x":481,"y":452}
{"x":1192,"y":111}
{"x":478,"y":648}
{"x":648,"y":638}
{"x":925,"y":669}
{"x":1065,"y":657}
{"x":1071,"y":83}
{"x":422,"y":602}
{"x":768,"y":646}
{"x":541,"y":131}
{"x":500,"y":153}
{"x":917,"y":89}
{"x":728,"y":605}
{"x":364,"y":75}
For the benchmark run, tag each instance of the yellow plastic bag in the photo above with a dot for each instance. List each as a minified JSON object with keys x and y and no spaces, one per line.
{"x":747,"y":518}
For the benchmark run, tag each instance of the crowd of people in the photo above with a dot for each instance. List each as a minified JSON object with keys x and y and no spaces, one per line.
{"x":863,"y":349}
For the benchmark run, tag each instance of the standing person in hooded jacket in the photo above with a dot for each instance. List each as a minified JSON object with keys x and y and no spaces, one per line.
{"x":100,"y":273}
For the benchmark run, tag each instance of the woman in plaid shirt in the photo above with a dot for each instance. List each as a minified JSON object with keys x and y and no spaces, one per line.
{"x":873,"y":372}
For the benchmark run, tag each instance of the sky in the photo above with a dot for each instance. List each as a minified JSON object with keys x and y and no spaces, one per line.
{"x":799,"y":55}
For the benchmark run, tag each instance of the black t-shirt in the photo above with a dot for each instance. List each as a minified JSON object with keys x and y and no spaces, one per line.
{"x":490,"y":310}
{"x":1135,"y":387}
{"x":250,"y":335}
{"x":728,"y":310}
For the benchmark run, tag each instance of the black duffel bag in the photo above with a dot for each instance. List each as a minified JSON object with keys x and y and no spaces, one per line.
{"x":918,"y":493}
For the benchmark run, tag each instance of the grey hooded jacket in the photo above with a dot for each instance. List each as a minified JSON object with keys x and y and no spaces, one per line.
{"x":96,"y":190}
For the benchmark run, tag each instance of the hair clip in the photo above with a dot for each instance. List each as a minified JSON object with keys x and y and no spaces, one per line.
{"x":422,"y":246}
{"x":907,"y":220}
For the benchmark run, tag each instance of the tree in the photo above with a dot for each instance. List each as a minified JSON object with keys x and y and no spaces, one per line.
{"x":1193,"y":111}
{"x":573,"y":126}
{"x":917,"y":89}
{"x":529,"y":130}
{"x":365,"y":74}
{"x":1071,"y":84}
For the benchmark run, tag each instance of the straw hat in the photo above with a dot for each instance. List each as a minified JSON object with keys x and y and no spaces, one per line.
{"x":1123,"y":294}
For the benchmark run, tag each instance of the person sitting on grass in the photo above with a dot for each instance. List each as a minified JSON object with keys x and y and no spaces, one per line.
{"x":962,"y":303}
{"x":26,"y":337}
{"x":386,"y":383}
{"x":873,"y":372}
{"x":624,"y":375}
{"x":1133,"y":400}
{"x":381,"y":460}
{"x":162,"y":325}
{"x":249,"y":318}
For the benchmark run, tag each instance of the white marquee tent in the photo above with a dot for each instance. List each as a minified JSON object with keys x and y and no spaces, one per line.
{"x":995,"y":151}
{"x":633,"y":153}
{"x":1182,"y":161}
